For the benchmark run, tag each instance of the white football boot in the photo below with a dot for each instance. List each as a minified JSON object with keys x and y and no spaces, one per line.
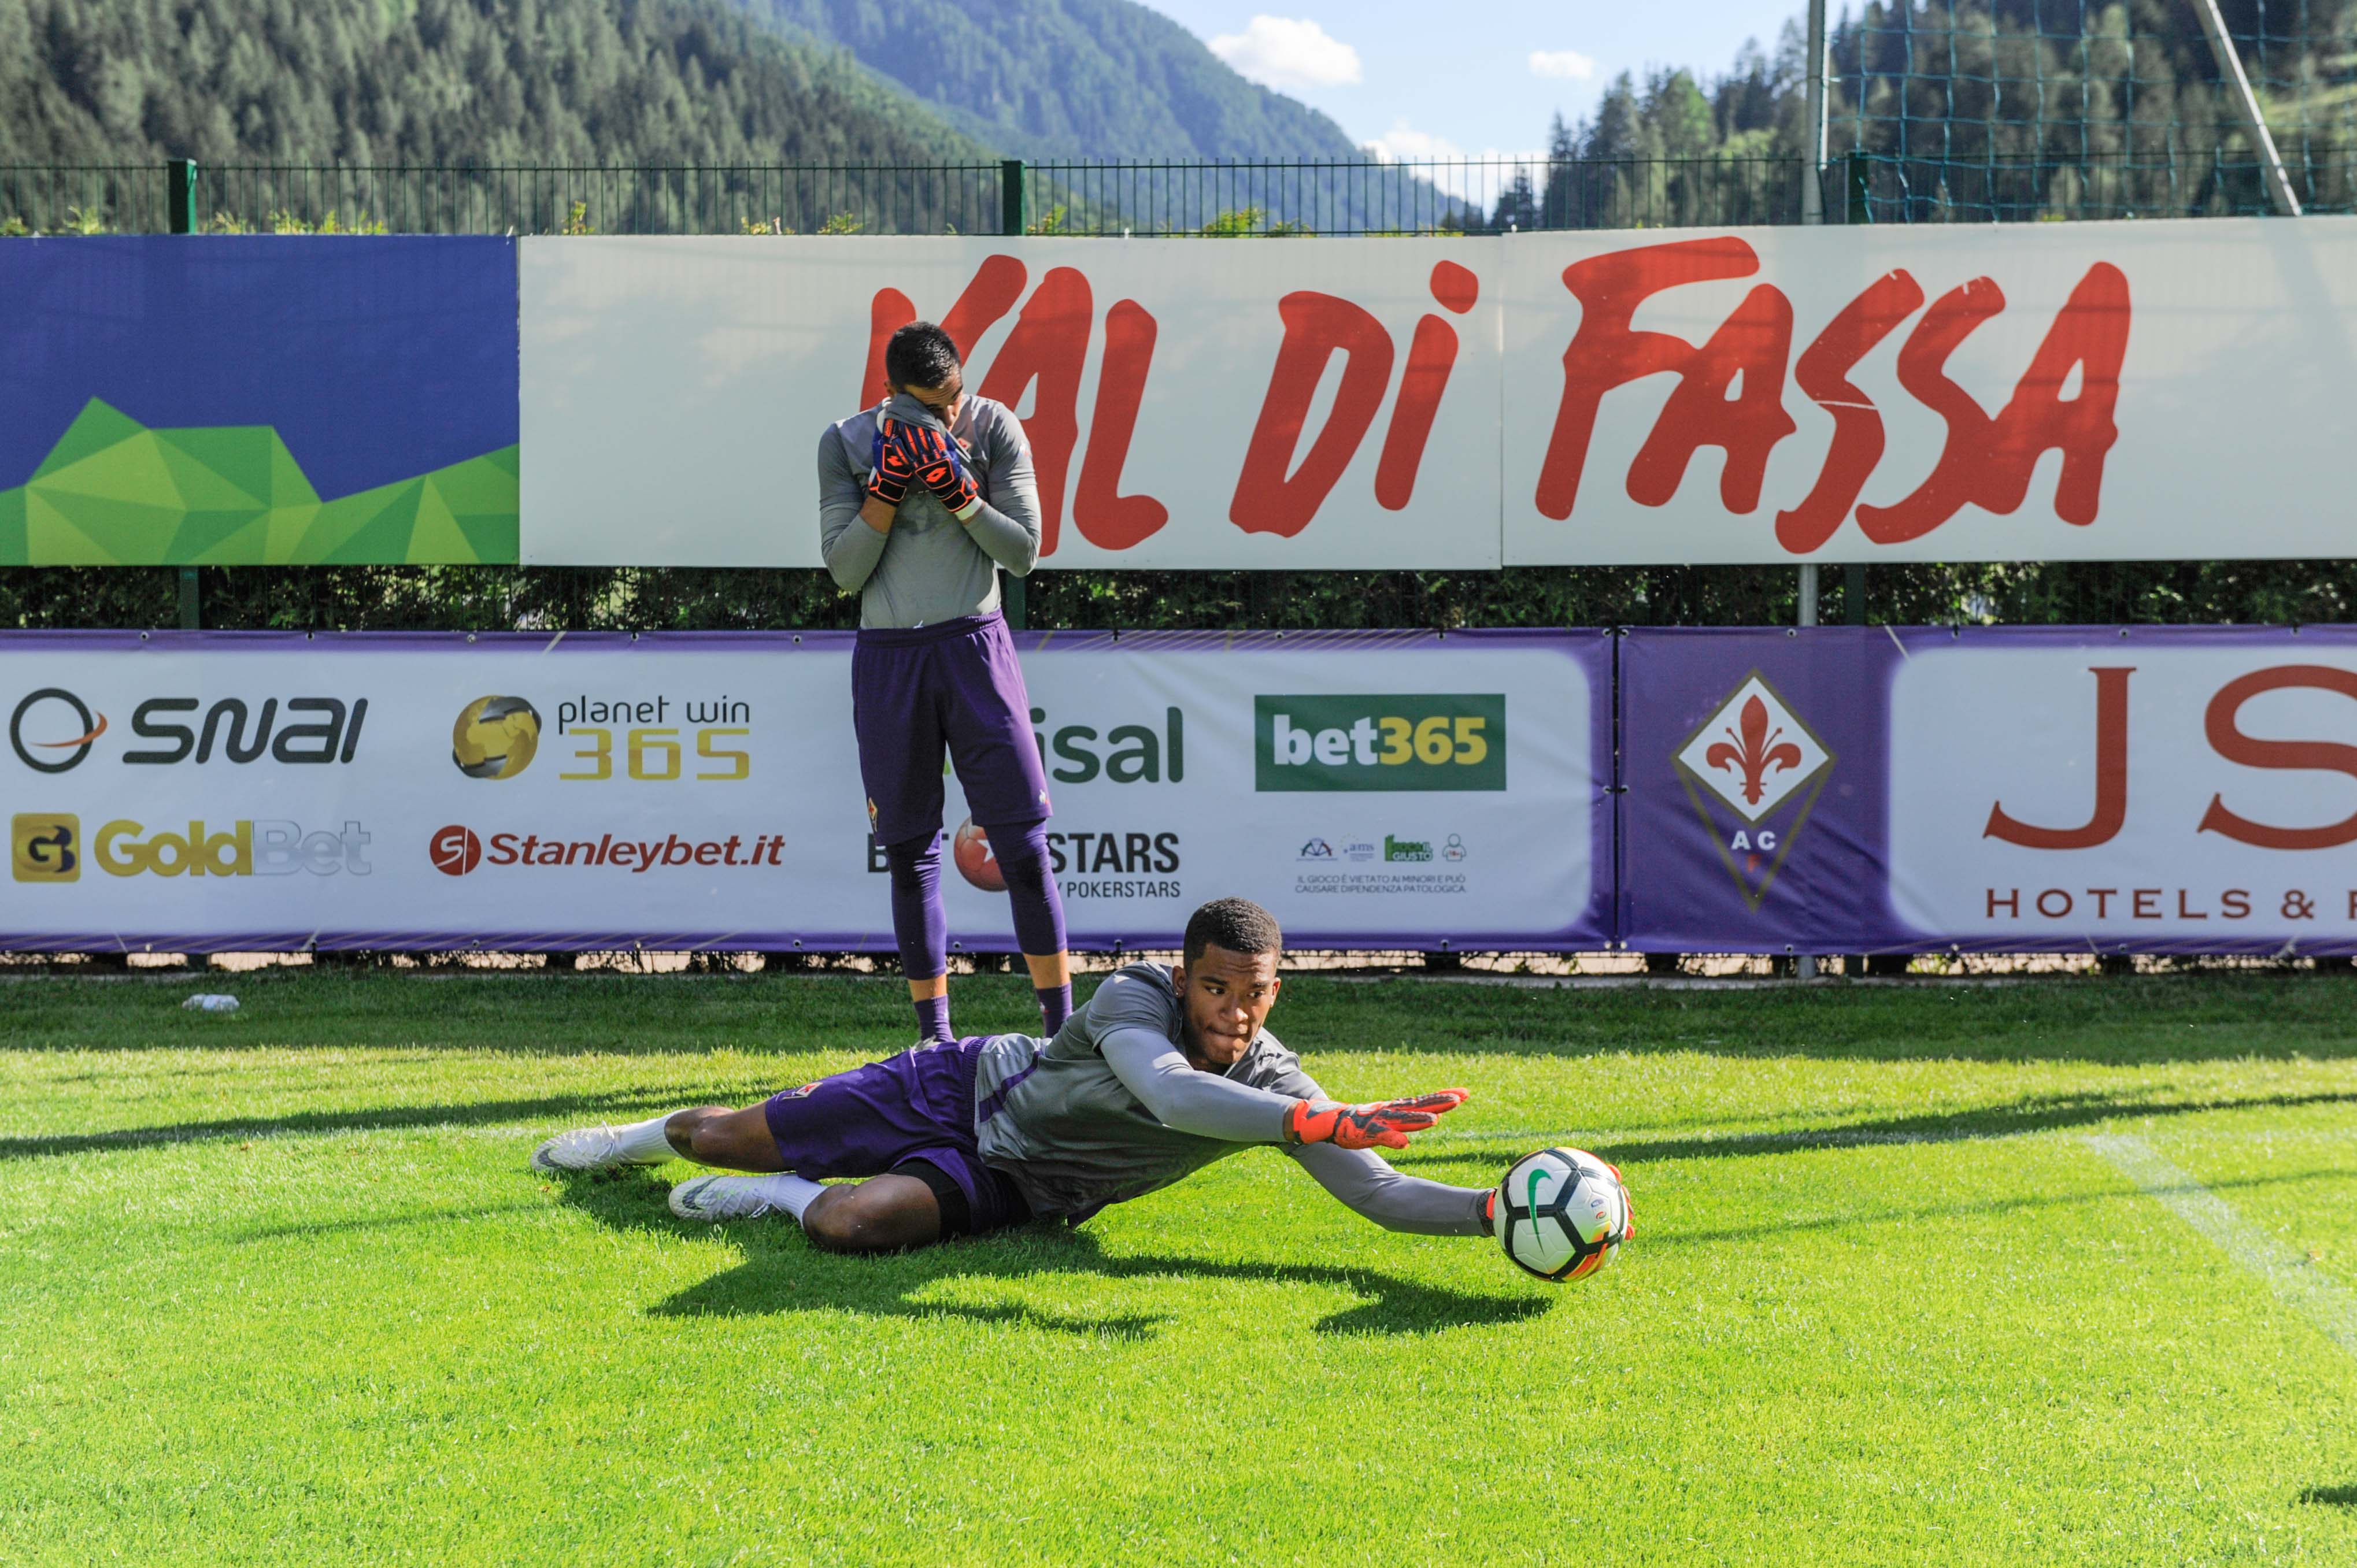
{"x":587,"y":1149}
{"x":716,"y":1198}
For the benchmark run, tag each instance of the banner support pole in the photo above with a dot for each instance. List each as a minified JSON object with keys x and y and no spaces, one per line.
{"x":1804,"y":966}
{"x":1812,"y":190}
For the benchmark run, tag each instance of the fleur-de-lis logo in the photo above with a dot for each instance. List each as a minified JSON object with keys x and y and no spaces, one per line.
{"x":1758,"y":750}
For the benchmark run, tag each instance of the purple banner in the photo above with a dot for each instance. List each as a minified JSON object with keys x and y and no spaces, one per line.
{"x":2106,"y":790}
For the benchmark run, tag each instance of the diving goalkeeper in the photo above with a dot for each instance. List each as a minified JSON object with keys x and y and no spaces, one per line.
{"x":1163,"y":1072}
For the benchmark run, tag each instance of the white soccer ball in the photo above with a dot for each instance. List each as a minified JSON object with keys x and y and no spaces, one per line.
{"x":1562,"y":1214}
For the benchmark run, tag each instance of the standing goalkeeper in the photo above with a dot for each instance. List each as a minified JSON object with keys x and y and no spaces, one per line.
{"x":921,"y":501}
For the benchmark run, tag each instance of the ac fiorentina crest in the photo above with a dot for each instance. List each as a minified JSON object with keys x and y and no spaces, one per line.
{"x":1753,"y":771}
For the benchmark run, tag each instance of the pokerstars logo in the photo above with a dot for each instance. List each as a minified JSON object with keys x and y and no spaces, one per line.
{"x":1753,"y":770}
{"x":458,"y":851}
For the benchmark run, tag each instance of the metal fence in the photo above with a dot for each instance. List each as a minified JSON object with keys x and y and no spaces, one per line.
{"x":1483,"y":196}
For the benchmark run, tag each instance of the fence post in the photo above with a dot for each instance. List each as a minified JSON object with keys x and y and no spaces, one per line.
{"x":1011,"y":213}
{"x":180,"y":196}
{"x":1859,"y":170}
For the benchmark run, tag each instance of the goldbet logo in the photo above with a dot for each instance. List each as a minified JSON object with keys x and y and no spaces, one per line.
{"x":47,"y":847}
{"x":1423,"y":741}
{"x":458,"y":851}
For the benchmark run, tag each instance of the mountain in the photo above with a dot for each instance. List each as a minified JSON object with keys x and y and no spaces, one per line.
{"x":1068,"y":78}
{"x":440,"y":83}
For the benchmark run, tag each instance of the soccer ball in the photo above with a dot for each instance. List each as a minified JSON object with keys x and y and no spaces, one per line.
{"x":970,"y":848}
{"x":1562,"y":1214}
{"x":495,"y":737}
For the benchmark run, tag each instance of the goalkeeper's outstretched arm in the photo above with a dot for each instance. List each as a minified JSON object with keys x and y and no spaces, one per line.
{"x":1364,"y":1182}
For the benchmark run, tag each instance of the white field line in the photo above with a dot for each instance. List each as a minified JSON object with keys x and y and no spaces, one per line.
{"x":2300,"y":1283}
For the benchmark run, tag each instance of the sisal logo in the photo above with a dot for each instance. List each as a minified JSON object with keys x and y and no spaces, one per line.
{"x":1424,"y":741}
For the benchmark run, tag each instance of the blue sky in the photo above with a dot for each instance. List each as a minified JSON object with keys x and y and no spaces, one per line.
{"x":1427,"y":80}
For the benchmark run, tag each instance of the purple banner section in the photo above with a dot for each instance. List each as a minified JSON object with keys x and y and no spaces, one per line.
{"x":216,"y":791}
{"x":2092,"y":789}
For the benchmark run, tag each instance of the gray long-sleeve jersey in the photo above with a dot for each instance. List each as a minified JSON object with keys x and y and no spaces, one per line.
{"x":1110,"y":1110}
{"x":930,"y":567}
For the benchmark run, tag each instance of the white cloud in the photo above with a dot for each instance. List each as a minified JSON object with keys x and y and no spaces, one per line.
{"x":1568,"y":64}
{"x":1282,"y":52}
{"x":1477,"y":178}
{"x":1402,"y":143}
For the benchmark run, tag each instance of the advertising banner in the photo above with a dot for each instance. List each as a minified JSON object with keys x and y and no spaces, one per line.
{"x":2109,"y":789}
{"x":257,"y":400}
{"x":213,"y":791}
{"x":2063,"y":392}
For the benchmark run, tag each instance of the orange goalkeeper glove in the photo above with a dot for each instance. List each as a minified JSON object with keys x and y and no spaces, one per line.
{"x":1385,"y":1124}
{"x":941,"y":468}
{"x":890,"y":469}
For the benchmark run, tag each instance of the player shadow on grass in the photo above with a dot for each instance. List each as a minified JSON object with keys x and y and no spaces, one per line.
{"x":614,"y":1105}
{"x":783,"y":1272}
{"x":2031,"y":1113}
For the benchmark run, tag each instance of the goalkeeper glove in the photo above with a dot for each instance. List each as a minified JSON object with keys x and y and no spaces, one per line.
{"x":890,"y":469}
{"x":1385,"y":1124}
{"x":941,"y":467}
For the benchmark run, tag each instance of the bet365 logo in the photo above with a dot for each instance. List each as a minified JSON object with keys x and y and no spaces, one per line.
{"x":1424,"y":741}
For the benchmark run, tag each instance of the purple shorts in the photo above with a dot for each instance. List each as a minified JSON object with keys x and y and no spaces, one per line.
{"x":915,"y":1107}
{"x":915,"y":690}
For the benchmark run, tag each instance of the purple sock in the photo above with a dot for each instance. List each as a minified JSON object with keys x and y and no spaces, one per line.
{"x":1055,"y":1005}
{"x":933,"y":1019}
{"x":1022,"y":854}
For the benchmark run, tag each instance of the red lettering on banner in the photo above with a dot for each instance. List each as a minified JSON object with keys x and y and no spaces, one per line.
{"x":2144,"y":907}
{"x":1317,"y":327}
{"x":2111,"y":778}
{"x":1429,"y":359}
{"x":2227,"y":740}
{"x":2102,"y":897}
{"x":1106,"y":517}
{"x":1823,"y":374}
{"x":1989,"y":462}
{"x":997,"y":284}
{"x":2012,"y":902}
{"x":1049,"y":345}
{"x":1605,"y":352}
{"x":1749,"y":348}
{"x":2185,"y":914}
{"x":2237,"y":904}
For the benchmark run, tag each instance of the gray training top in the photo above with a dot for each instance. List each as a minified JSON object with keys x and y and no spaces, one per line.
{"x":930,"y":567}
{"x":1110,"y":1110}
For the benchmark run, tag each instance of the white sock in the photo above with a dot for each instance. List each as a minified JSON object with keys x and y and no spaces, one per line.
{"x":787,"y":1190}
{"x":642,"y":1143}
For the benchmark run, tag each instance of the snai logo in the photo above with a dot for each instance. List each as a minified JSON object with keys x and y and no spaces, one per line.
{"x":1422,"y":741}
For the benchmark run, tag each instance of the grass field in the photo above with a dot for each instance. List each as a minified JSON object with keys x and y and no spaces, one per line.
{"x":278,"y":1287}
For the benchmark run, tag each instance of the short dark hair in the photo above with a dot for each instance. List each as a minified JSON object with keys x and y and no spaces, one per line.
{"x":1238,"y":925}
{"x":919,"y":355}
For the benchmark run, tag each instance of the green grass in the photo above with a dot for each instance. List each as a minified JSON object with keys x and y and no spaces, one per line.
{"x":278,"y":1287}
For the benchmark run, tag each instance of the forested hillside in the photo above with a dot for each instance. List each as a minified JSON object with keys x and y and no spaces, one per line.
{"x":2010,"y":109}
{"x":1088,"y":79}
{"x":438,"y":82}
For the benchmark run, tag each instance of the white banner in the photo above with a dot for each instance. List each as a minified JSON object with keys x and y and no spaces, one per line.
{"x":218,"y":792}
{"x":2198,"y":792}
{"x":2086,"y":391}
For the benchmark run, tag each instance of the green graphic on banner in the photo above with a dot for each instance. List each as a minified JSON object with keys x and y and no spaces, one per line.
{"x":115,"y":492}
{"x":1425,"y":740}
